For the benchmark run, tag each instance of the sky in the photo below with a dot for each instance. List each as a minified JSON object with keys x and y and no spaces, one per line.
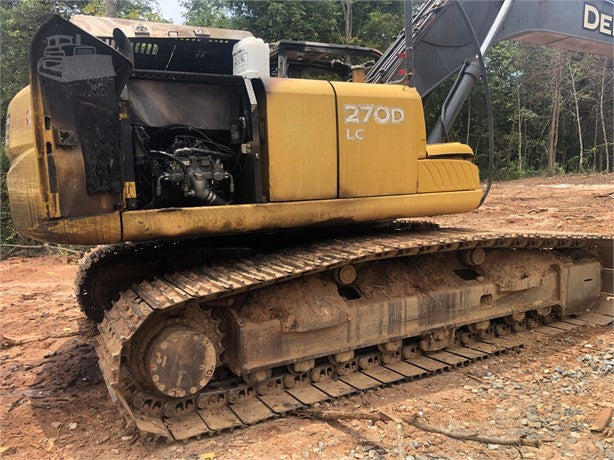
{"x":171,"y":10}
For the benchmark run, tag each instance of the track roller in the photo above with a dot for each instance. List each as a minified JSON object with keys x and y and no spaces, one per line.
{"x":473,"y":257}
{"x":256,"y":377}
{"x":515,"y":318}
{"x":345,"y":275}
{"x":302,"y":366}
{"x":340,"y":358}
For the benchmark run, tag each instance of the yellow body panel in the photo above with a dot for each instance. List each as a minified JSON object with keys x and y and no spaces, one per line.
{"x":26,"y":198}
{"x":448,"y":149}
{"x":381,"y":137}
{"x":301,"y":140}
{"x":27,"y":195}
{"x":303,"y":173}
{"x":101,"y":229}
{"x":150,"y":224}
{"x":442,"y":175}
{"x":19,"y":124}
{"x":210,"y":220}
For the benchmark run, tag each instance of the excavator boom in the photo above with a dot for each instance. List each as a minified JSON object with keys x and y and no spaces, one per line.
{"x":442,"y":42}
{"x":448,"y":35}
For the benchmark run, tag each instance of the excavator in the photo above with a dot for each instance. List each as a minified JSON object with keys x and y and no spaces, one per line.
{"x":254,"y":252}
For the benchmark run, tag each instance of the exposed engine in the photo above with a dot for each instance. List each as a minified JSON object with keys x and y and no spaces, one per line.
{"x":180,"y":165}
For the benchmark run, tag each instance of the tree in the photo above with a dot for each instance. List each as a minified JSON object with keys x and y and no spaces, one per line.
{"x":110,"y":9}
{"x":519,"y":128}
{"x":553,"y":133}
{"x":347,"y":19}
{"x":270,"y":20}
{"x":602,"y":115}
{"x":573,"y":74}
{"x":376,"y":23}
{"x":210,"y":13}
{"x":144,"y":10}
{"x":369,"y":23}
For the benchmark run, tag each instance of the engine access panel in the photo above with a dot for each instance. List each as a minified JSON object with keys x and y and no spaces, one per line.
{"x":381,"y":135}
{"x":327,"y":140}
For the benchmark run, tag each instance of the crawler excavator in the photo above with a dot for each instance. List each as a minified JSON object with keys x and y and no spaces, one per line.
{"x":251,"y":260}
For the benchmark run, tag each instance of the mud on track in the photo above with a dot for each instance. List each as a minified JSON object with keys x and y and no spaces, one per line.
{"x":53,"y":403}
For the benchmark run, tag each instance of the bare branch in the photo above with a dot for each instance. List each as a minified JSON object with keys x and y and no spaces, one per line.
{"x":416,"y":422}
{"x":45,"y":246}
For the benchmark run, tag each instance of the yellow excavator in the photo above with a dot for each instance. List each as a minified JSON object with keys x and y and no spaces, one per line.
{"x":251,"y":262}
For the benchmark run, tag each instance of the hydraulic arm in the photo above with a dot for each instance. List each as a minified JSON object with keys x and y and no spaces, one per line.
{"x":443,"y":41}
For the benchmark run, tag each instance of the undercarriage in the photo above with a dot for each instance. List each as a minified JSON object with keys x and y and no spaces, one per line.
{"x":223,"y":338}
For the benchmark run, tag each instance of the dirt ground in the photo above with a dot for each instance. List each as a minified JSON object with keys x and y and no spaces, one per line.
{"x":570,"y":203}
{"x":53,"y":403}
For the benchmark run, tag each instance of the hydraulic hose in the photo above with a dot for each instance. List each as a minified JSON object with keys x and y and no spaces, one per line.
{"x":491,"y":137}
{"x":172,"y":158}
{"x":189,"y":150}
{"x":184,"y":168}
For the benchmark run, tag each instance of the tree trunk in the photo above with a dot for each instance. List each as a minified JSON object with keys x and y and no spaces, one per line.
{"x":526,"y":144}
{"x":109,"y":8}
{"x":596,"y":131}
{"x":347,"y":15}
{"x":553,"y":134}
{"x":605,"y":133}
{"x":519,"y":130}
{"x":575,"y":99}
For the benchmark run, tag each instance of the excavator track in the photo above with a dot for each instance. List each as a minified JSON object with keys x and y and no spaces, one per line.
{"x":226,"y":401}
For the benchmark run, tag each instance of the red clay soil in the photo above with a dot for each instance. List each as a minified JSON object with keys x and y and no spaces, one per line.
{"x":570,"y":203}
{"x":53,"y":403}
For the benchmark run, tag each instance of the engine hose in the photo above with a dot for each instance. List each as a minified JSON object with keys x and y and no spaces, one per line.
{"x":188,"y":150}
{"x":231,"y":187}
{"x":172,"y":158}
{"x":202,"y":135}
{"x":184,"y":168}
{"x":491,"y":137}
{"x":214,"y":199}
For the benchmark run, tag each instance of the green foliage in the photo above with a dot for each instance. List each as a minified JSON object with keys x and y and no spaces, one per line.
{"x":379,"y":29}
{"x":19,"y":20}
{"x":375,"y":23}
{"x":520,"y":80}
{"x":270,"y":20}
{"x":210,"y":13}
{"x":145,"y":10}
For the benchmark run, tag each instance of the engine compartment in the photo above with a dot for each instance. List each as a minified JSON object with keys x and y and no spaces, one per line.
{"x":186,"y":141}
{"x":190,"y":168}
